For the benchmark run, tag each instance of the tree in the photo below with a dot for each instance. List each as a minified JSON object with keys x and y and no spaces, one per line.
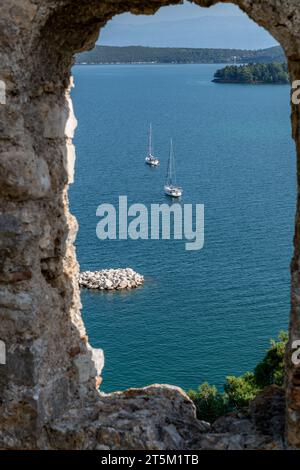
{"x":239,"y":391}
{"x":209,"y":402}
{"x":274,"y":72}
{"x":271,"y":369}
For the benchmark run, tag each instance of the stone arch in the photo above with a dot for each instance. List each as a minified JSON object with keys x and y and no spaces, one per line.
{"x":48,"y":385}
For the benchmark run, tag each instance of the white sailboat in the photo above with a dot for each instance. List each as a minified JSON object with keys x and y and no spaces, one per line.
{"x":151,"y":159}
{"x":171,"y":188}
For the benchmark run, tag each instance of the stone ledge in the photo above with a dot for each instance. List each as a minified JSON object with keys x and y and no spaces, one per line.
{"x":157,"y":417}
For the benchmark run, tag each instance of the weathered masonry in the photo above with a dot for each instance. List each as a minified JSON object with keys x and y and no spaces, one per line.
{"x":50,"y":375}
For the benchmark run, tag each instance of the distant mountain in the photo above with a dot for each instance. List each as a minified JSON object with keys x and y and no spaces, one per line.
{"x":201,"y":31}
{"x":139,"y":54}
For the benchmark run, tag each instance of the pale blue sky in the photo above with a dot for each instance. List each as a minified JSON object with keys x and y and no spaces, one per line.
{"x":187,"y":25}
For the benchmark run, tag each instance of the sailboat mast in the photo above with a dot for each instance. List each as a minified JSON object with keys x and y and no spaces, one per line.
{"x":150,"y":140}
{"x":171,"y":162}
{"x":169,"y":171}
{"x":173,"y":168}
{"x":171,"y":188}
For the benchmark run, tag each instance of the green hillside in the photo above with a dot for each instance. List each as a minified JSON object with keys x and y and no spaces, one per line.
{"x":168,"y":55}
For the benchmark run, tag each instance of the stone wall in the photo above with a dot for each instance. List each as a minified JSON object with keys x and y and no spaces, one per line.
{"x":48,"y":387}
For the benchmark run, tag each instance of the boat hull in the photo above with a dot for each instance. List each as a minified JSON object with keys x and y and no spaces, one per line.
{"x":173,"y":191}
{"x":152,"y":161}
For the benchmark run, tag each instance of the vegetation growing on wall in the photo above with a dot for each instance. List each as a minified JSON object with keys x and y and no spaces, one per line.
{"x":239,"y":391}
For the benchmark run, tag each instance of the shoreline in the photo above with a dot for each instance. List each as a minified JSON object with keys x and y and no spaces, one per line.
{"x":157,"y":63}
{"x":236,"y":82}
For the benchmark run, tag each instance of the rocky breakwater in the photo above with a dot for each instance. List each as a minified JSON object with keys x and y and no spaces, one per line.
{"x":111,"y":279}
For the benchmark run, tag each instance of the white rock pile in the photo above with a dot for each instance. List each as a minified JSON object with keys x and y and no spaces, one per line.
{"x":110,"y":279}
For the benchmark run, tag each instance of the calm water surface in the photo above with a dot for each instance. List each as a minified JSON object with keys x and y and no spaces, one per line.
{"x":200,"y":315}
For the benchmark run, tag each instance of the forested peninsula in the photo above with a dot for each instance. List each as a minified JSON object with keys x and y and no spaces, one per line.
{"x":273,"y":73}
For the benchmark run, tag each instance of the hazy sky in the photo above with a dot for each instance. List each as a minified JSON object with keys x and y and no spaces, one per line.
{"x":187,"y":25}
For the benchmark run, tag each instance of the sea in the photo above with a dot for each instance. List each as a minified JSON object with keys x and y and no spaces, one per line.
{"x":200,"y":315}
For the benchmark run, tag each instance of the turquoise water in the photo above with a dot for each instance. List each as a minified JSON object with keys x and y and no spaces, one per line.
{"x":205,"y":314}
